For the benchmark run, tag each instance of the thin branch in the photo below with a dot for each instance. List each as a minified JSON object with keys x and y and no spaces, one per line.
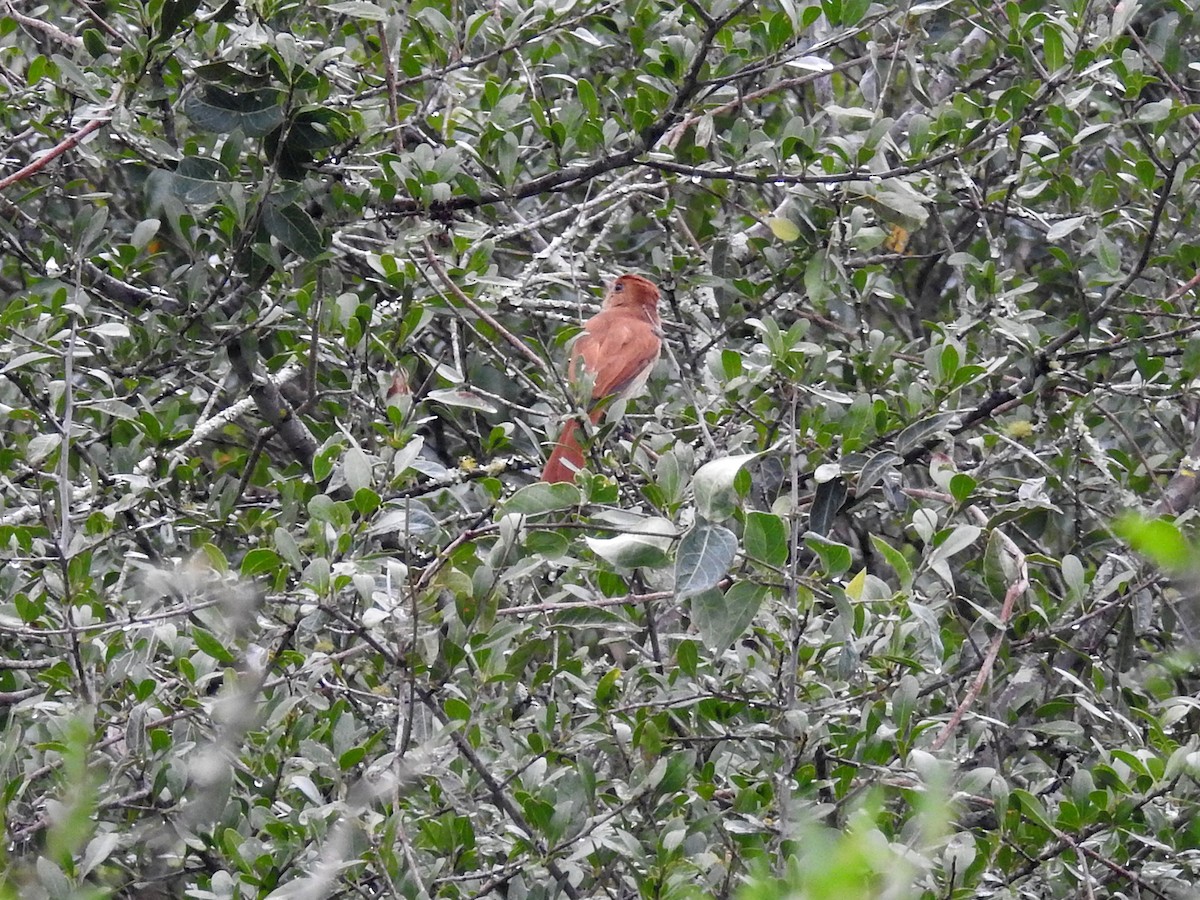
{"x":597,"y":603}
{"x":389,"y":78}
{"x":1015,"y":590}
{"x":448,"y":283}
{"x":54,"y":152}
{"x":676,"y":134}
{"x":501,"y":799}
{"x":50,"y":30}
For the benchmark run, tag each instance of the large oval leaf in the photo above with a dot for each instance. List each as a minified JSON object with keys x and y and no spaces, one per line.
{"x":645,"y":548}
{"x":713,"y":486}
{"x":705,"y":554}
{"x":722,"y":618}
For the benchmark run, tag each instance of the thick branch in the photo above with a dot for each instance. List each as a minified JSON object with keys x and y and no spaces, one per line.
{"x":273,"y":408}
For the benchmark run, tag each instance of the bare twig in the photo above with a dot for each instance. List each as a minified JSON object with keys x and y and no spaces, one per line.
{"x":47,"y":28}
{"x":1015,"y":590}
{"x":57,"y":150}
{"x":448,"y":283}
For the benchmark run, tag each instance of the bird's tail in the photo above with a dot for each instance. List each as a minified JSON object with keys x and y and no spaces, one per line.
{"x":567,"y":457}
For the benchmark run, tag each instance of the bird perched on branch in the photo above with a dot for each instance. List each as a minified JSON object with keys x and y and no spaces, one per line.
{"x":616,"y":351}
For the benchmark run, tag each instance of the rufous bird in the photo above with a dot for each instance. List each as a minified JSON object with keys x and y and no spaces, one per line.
{"x":618,"y":348}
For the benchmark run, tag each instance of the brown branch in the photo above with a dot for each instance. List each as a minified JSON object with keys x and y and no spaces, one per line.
{"x":1181,"y":489}
{"x":1094,"y":315}
{"x":501,"y":799}
{"x":44,"y":663}
{"x":100,"y":21}
{"x":732,"y":173}
{"x":1062,"y":842}
{"x":57,"y":150}
{"x":1114,"y":345}
{"x":506,"y":48}
{"x":572,"y":175}
{"x":389,"y":80}
{"x":1015,"y":590}
{"x":552,"y":181}
{"x":691,"y":80}
{"x":448,"y":283}
{"x":46,"y":28}
{"x":1046,"y":358}
{"x":21,"y":835}
{"x":12,"y":698}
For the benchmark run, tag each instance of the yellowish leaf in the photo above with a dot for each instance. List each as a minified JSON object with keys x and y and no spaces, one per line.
{"x":784,"y":229}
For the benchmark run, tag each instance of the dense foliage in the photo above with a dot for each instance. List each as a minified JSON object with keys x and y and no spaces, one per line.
{"x":865,"y":598}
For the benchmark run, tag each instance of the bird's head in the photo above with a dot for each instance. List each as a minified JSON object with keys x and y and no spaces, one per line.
{"x":632,"y":292}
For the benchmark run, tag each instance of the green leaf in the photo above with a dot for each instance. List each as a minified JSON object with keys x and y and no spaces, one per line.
{"x":1158,"y":539}
{"x":1052,"y":47}
{"x":174,"y":13}
{"x":215,"y":109}
{"x":359,"y":9}
{"x":1074,"y":576}
{"x":366,"y":502}
{"x":679,"y":766}
{"x":26,"y":359}
{"x":214,"y":557}
{"x":713,"y":489}
{"x":607,"y":688}
{"x":904,"y":700}
{"x":999,"y":568}
{"x":93,"y":42}
{"x":962,"y":486}
{"x":258,"y":561}
{"x":196,"y":181}
{"x":1154,"y":111}
{"x":540,"y":497}
{"x":324,"y":461}
{"x":722,"y":618}
{"x":687,"y":658}
{"x":356,"y":467}
{"x":644,"y":548}
{"x":916,"y":434}
{"x":406,"y":519}
{"x":144,"y":232}
{"x":827,"y":502}
{"x":784,"y":229}
{"x":323,"y":508}
{"x":895,"y":559}
{"x":457,"y":710}
{"x":207,"y":643}
{"x":766,"y":538}
{"x":1107,"y":253}
{"x":853,"y":11}
{"x":293,"y":227}
{"x":1065,"y":227}
{"x":705,"y":555}
{"x":587,"y":96}
{"x":835,"y":558}
{"x":462,"y":399}
{"x":1032,"y":807}
{"x":876,"y":468}
{"x":962,"y":537}
{"x":903,"y":206}
{"x":288,"y":549}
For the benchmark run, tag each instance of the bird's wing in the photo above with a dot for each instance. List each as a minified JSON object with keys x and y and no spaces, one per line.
{"x":619,"y":349}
